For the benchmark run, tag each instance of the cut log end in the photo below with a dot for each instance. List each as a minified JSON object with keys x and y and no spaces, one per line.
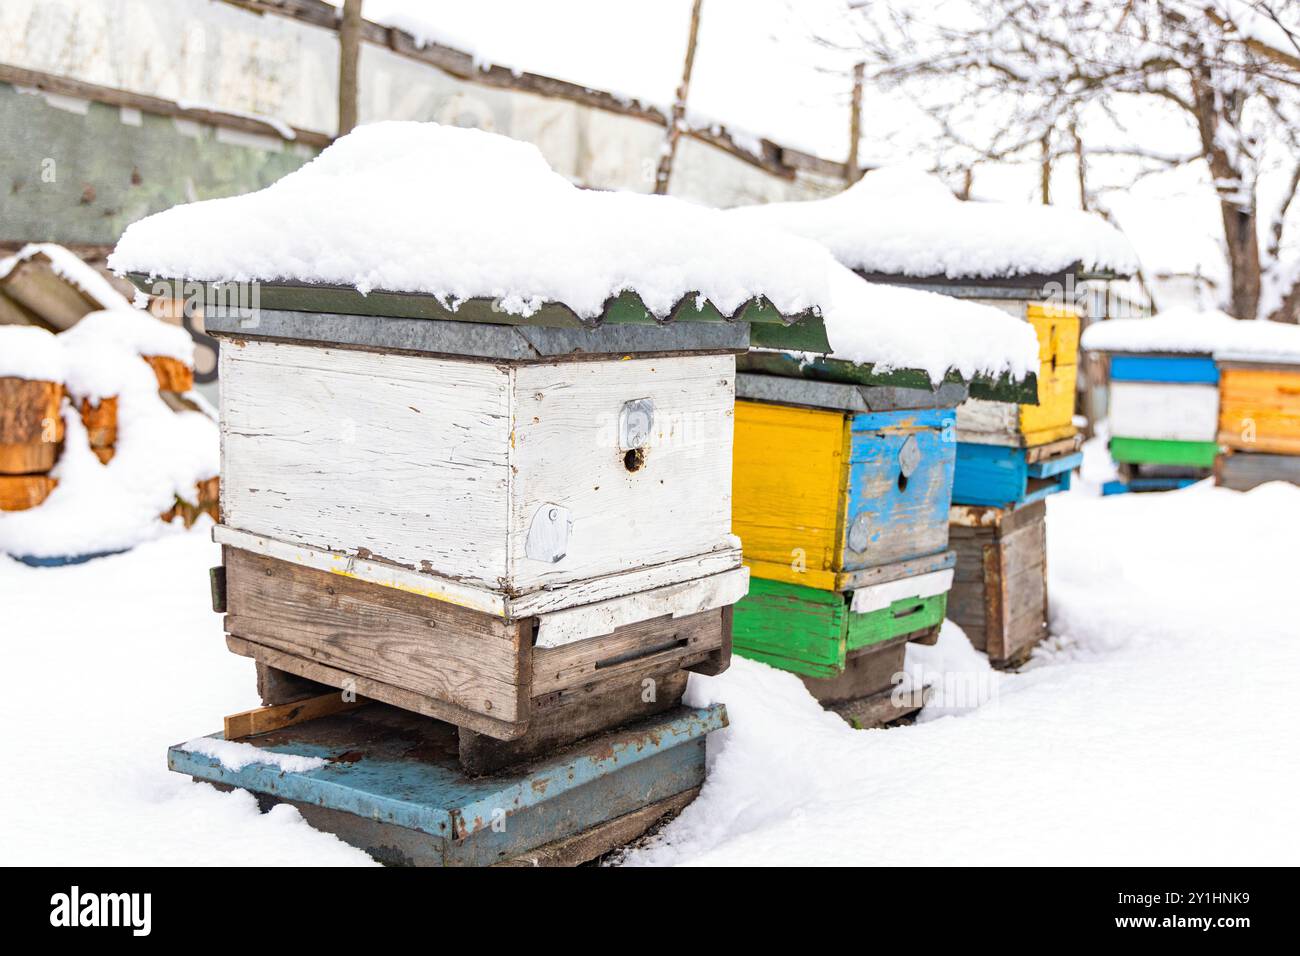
{"x":20,"y":492}
{"x":173,"y":375}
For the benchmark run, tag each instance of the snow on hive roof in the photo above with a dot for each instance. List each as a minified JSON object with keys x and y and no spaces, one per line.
{"x":1204,"y":333}
{"x":31,"y":353}
{"x":899,"y":222}
{"x":895,"y":327}
{"x":463,"y":214}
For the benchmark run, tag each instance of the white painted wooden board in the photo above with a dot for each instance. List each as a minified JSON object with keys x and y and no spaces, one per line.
{"x":880,"y":596}
{"x":442,"y":466}
{"x":679,"y":600}
{"x":1170,"y":411}
{"x":398,"y":457}
{"x":567,"y":453}
{"x":988,"y":423}
{"x":490,"y":600}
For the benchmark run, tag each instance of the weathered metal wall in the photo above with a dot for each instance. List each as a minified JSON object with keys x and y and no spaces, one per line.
{"x":201,"y":53}
{"x":77,"y":172}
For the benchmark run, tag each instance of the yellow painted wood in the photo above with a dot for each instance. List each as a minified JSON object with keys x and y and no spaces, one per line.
{"x":1259,"y":409}
{"x":1058,"y":333}
{"x":789,"y":477}
{"x":1055,"y":408}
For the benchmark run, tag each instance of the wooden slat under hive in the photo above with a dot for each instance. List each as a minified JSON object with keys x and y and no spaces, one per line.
{"x":999,"y":592}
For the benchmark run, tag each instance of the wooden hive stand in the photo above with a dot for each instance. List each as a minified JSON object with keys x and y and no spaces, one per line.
{"x":999,"y":594}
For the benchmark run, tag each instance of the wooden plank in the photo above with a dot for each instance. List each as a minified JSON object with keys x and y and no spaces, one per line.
{"x":1152,"y":451}
{"x":605,"y":837}
{"x":376,"y":690}
{"x":1259,"y":409}
{"x":867,"y":671}
{"x":1164,"y":368}
{"x":1057,"y":328}
{"x":798,"y":629}
{"x":904,"y":616}
{"x":28,"y":458}
{"x":20,"y":492}
{"x":398,"y":458}
{"x":788,"y":481}
{"x":1164,"y":411}
{"x":1243,"y":471}
{"x":564,"y":448}
{"x":473,"y":661}
{"x":675,"y":600}
{"x":570,"y":720}
{"x":1055,"y":408}
{"x":891,"y":516}
{"x":262,"y":720}
{"x":540,"y":602}
{"x":630,"y":651}
{"x":868,"y":577}
{"x":1061,"y":446}
{"x":29,"y":411}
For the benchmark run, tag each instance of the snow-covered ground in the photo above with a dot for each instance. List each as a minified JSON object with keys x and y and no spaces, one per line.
{"x":1159,"y":727}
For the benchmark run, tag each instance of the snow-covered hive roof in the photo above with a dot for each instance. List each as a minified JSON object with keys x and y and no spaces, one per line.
{"x":467,"y":216}
{"x":1184,"y":330}
{"x":462,"y":214}
{"x":897,"y":222}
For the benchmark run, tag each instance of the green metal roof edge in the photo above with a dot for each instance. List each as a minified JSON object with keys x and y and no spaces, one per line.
{"x":804,"y":329}
{"x":997,"y":389}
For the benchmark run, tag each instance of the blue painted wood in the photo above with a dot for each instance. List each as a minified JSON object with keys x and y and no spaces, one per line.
{"x":1163,"y":368}
{"x":1000,"y":477}
{"x":892,"y":516}
{"x":396,"y":770}
{"x":1053,"y":485}
{"x":991,"y":475}
{"x":1055,"y":466}
{"x":63,"y":560}
{"x":1146,"y":484}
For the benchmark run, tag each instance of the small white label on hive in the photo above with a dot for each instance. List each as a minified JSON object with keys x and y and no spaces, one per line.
{"x":548,"y":534}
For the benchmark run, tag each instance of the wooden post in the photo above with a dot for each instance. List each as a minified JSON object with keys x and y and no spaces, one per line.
{"x":349,"y":53}
{"x":678,"y":118}
{"x":851,"y":170}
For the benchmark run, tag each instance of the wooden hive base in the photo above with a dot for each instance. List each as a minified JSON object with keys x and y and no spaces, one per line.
{"x":1243,"y":471}
{"x":482,"y":673}
{"x":866,"y":694}
{"x":999,"y":593}
{"x":391,"y":785}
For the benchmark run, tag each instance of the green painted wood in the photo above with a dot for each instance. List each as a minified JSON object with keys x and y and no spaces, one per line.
{"x":808,"y":631}
{"x":804,"y":330}
{"x":904,"y":616}
{"x":1000,"y":389}
{"x":1157,"y":451}
{"x":792,"y":627}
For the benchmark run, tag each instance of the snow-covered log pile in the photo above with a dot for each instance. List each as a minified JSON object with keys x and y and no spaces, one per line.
{"x":92,"y":455}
